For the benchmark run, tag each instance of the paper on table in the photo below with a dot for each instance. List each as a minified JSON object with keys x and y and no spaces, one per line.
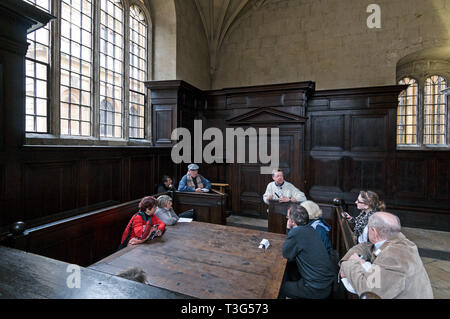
{"x":184,"y":220}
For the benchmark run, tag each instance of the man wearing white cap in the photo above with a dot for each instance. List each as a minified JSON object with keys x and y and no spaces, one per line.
{"x":193,"y":181}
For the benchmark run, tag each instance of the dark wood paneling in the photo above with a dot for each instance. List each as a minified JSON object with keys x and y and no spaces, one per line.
{"x":326,"y":173}
{"x":105,"y":180}
{"x":368,"y":173}
{"x":411,"y":178}
{"x":139,"y":168}
{"x":368,"y":133}
{"x":321,"y":127}
{"x":442,"y":189}
{"x":49,"y":187}
{"x":414,"y":184}
{"x":209,"y":207}
{"x":163,"y":124}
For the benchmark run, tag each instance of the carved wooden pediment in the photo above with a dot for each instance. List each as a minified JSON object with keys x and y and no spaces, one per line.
{"x":265,"y":115}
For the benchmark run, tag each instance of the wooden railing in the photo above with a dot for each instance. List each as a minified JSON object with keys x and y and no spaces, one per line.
{"x":344,"y":234}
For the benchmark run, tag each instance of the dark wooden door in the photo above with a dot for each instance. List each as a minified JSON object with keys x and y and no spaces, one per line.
{"x":250,"y":185}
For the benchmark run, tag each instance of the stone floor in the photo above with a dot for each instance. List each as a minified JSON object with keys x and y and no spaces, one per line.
{"x":436,"y":245}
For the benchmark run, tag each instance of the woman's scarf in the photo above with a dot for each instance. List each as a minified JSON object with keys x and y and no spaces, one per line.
{"x":361,"y":222}
{"x":190,"y":181}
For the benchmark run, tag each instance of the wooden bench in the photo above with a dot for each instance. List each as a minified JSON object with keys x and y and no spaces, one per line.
{"x":82,"y":239}
{"x":88,"y":237}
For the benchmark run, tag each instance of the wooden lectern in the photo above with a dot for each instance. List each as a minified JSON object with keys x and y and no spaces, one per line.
{"x":277,"y":216}
{"x":209,"y":207}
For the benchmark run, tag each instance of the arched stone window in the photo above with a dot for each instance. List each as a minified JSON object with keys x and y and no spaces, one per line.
{"x":423,"y":110}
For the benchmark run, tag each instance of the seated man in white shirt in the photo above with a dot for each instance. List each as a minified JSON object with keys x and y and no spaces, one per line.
{"x":281,"y":190}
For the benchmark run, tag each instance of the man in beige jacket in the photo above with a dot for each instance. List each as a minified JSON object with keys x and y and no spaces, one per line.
{"x":389,"y":265}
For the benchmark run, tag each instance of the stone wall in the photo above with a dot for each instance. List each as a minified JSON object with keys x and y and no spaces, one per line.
{"x":192,"y":46}
{"x":328,"y":41}
{"x":164,"y":39}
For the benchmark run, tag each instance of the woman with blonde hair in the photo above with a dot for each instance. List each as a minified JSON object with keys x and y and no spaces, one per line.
{"x":166,"y":213}
{"x":318,"y":223}
{"x":368,"y":203}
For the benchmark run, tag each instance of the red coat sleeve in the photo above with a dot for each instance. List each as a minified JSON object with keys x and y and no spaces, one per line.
{"x":156,"y":220}
{"x":139,"y":227}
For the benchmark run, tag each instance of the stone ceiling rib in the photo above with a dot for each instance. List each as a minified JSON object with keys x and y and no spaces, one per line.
{"x":217,"y":17}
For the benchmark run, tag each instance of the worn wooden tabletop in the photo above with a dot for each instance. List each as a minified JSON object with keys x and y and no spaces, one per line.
{"x":206,"y":261}
{"x":28,"y":276}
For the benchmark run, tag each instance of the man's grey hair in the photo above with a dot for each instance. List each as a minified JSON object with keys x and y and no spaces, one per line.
{"x":387,"y":225}
{"x":299,"y":215}
{"x":163,"y":200}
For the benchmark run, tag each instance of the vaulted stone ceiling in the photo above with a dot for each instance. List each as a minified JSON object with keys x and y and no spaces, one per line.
{"x":218,"y":16}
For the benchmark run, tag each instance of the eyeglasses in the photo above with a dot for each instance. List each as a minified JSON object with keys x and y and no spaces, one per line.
{"x":288,"y":217}
{"x":359,"y":202}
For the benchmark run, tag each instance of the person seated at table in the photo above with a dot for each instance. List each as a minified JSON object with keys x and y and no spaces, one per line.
{"x":309,"y":272}
{"x":318,"y":223}
{"x":389,"y":265}
{"x":368,"y":203}
{"x":166,"y":213}
{"x":193,"y":181}
{"x":282,"y":190}
{"x":143,"y":225}
{"x":166,"y":186}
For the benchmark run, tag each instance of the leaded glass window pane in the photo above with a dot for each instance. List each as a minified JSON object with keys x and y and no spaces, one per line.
{"x":138,"y":71}
{"x":36,"y":75}
{"x":407,"y":113}
{"x":435,"y":112}
{"x":111,"y":68}
{"x":76,"y":67}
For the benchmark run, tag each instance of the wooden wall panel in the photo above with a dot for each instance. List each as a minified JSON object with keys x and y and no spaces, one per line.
{"x":414,"y":184}
{"x":442,"y":189}
{"x":49,"y":187}
{"x":368,"y":173}
{"x":105,"y":180}
{"x":250,"y":188}
{"x":321,"y":127}
{"x":325,"y":176}
{"x":368,"y":133}
{"x":163,"y":124}
{"x":411,"y":179}
{"x":142,"y":180}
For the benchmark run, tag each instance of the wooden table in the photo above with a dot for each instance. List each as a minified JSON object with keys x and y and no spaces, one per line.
{"x":207,"y":261}
{"x":25,"y":275}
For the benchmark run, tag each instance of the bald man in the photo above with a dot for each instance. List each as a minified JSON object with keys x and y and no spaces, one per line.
{"x":388,"y":265}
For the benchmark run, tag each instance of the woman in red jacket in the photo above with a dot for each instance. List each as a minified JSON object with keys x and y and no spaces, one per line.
{"x":143,"y":225}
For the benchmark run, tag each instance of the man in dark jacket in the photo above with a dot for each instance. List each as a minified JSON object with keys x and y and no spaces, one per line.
{"x":166,"y":186}
{"x":305,"y":251}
